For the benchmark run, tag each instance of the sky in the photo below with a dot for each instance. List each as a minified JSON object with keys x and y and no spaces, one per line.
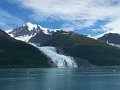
{"x":83,"y":16}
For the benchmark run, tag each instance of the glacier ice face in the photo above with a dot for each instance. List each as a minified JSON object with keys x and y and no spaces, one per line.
{"x":60,"y":60}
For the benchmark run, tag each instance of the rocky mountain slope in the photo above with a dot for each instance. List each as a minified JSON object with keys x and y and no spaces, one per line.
{"x":111,"y":39}
{"x":28,"y":30}
{"x":80,"y":46}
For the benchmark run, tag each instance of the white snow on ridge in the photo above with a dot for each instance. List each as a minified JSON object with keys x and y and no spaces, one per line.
{"x":24,"y":38}
{"x":7,"y":31}
{"x":45,"y":30}
{"x":100,"y":35}
{"x":30,"y":26}
{"x":115,"y":45}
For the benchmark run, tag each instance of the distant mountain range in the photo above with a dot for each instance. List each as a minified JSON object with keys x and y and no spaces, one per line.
{"x":111,"y":39}
{"x":68,"y":49}
{"x":56,"y":48}
{"x":35,"y":33}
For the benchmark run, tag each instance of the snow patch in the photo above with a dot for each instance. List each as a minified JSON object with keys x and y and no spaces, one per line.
{"x":90,"y":36}
{"x":7,"y":31}
{"x":25,"y":38}
{"x":115,"y":45}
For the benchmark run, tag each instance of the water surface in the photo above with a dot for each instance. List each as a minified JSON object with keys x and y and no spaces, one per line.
{"x":60,"y":79}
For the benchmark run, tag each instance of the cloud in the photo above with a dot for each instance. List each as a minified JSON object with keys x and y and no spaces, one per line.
{"x":7,"y":20}
{"x":76,"y":14}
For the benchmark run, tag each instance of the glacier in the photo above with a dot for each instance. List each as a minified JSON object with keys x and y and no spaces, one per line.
{"x":60,"y":60}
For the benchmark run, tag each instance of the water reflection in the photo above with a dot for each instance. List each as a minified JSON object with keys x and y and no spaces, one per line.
{"x":59,"y":79}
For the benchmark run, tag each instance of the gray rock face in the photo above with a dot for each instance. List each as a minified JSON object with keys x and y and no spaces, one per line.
{"x":29,"y":30}
{"x":40,"y":38}
{"x":23,"y":30}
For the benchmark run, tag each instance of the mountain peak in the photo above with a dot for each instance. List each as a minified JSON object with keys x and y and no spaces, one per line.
{"x":28,"y":30}
{"x":30,"y":26}
{"x":29,"y":23}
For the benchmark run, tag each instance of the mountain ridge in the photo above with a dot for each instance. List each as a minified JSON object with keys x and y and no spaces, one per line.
{"x":16,"y":54}
{"x":78,"y":46}
{"x":28,"y":30}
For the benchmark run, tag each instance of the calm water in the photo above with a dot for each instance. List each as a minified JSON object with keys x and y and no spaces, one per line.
{"x":60,"y":79}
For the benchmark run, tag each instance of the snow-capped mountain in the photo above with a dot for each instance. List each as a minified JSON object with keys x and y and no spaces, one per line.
{"x":106,"y":33}
{"x":111,"y":39}
{"x":59,"y":46}
{"x":28,"y":30}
